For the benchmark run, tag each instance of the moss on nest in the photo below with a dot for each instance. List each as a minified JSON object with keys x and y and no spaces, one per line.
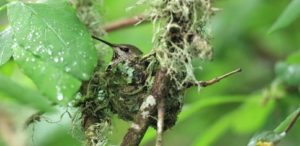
{"x":180,"y":35}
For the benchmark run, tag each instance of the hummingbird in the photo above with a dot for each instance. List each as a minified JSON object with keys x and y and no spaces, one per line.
{"x":120,"y":90}
{"x":126,"y":79}
{"x":121,"y":52}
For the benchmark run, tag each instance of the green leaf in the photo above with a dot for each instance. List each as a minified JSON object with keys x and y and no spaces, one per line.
{"x":6,"y":41}
{"x":289,"y":73}
{"x":286,"y":123}
{"x":53,"y":33}
{"x":289,"y":15}
{"x":23,"y":95}
{"x":53,"y":82}
{"x":54,"y":47}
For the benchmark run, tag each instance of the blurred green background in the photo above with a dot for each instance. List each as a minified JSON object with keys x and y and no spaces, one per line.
{"x":226,"y":114}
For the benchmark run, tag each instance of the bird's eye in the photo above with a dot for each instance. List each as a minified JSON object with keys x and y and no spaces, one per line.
{"x":125,"y":49}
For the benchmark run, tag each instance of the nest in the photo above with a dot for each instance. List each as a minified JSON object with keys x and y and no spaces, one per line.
{"x":180,"y":37}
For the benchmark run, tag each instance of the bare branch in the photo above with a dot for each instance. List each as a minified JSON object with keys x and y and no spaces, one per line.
{"x":212,"y":81}
{"x":124,"y":23}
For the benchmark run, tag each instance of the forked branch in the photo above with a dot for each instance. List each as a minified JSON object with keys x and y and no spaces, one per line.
{"x":159,"y":91}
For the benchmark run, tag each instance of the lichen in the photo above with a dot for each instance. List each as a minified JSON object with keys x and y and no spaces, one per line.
{"x":127,"y":71}
{"x":135,"y":126}
{"x":97,"y":134}
{"x":149,"y":101}
{"x":181,"y":35}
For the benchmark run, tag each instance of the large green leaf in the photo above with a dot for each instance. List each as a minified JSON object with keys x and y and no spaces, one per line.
{"x":23,"y":95}
{"x":53,"y":33}
{"x":55,"y":83}
{"x":54,"y":47}
{"x":6,"y":42}
{"x":290,"y":14}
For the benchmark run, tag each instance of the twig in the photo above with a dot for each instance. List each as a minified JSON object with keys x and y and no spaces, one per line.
{"x":124,"y":23}
{"x":36,"y":117}
{"x":212,"y":81}
{"x":160,"y":121}
{"x":140,"y":123}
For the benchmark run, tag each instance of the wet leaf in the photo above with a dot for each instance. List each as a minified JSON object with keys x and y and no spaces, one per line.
{"x":53,"y":33}
{"x":54,"y":47}
{"x":53,"y":82}
{"x":6,"y":42}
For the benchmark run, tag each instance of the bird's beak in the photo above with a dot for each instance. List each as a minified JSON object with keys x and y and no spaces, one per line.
{"x":105,"y":42}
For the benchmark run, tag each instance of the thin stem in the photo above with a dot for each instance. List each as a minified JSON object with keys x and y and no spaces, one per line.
{"x":212,"y":81}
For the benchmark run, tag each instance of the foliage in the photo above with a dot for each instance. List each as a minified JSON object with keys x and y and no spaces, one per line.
{"x":55,"y":57}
